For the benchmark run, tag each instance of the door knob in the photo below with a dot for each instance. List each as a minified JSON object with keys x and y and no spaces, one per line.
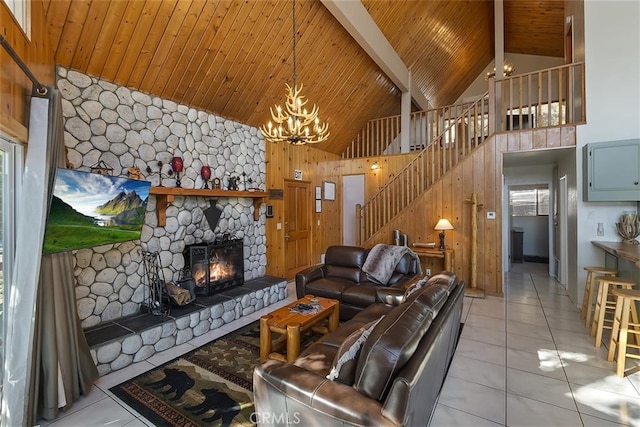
{"x":286,"y":236}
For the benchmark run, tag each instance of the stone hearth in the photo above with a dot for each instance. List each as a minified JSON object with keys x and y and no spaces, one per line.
{"x":119,"y":343}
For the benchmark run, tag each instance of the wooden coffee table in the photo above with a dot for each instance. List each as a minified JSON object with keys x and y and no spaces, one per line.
{"x":291,"y":325}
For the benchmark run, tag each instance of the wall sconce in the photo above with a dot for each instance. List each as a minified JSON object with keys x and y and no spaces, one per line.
{"x":507,"y":70}
{"x":443,"y":224}
{"x":375,"y":166}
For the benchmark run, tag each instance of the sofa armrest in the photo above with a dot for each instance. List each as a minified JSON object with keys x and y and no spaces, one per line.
{"x":390,"y":296}
{"x":287,"y":393}
{"x":308,"y":275}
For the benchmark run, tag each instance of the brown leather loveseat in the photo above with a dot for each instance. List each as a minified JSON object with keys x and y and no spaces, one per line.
{"x":384,"y":367}
{"x":341,"y":277}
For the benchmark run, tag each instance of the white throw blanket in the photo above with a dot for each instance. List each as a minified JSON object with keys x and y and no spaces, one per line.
{"x":383,"y":259}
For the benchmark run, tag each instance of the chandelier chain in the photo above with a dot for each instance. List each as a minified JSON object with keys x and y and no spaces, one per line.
{"x":295,"y":76}
{"x":295,"y":123}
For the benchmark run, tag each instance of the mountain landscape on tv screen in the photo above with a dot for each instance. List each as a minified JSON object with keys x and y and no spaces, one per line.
{"x":85,"y":219}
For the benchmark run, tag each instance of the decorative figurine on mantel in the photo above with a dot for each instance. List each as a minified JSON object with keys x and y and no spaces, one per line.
{"x":233,"y":183}
{"x":134,"y":173}
{"x":160,"y":165}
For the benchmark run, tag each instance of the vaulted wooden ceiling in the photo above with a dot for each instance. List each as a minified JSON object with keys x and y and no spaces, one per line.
{"x":233,"y":58}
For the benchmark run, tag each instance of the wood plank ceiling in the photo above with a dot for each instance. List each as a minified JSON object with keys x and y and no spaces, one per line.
{"x":233,"y":58}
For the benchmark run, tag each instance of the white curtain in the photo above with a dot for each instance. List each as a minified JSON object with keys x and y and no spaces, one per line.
{"x":49,"y":365}
{"x":20,"y":312}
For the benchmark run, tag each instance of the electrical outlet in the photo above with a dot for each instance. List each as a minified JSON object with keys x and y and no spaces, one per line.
{"x":427,"y":272}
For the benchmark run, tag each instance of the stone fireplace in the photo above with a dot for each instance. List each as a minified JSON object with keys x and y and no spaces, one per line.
{"x":215,"y":266}
{"x":125,"y":128}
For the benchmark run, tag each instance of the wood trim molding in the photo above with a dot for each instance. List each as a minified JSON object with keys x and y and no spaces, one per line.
{"x":13,"y":129}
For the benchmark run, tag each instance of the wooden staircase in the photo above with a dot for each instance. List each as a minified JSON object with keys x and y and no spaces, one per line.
{"x":465,"y":157}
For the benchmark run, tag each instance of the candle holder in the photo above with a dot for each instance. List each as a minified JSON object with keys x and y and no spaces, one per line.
{"x":150,"y":171}
{"x":205,"y":173}
{"x":177,"y":165}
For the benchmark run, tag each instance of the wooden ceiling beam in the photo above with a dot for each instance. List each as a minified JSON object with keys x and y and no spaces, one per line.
{"x":353,"y":16}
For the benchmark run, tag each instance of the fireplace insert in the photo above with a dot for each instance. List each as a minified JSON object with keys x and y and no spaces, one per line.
{"x":215,"y":266}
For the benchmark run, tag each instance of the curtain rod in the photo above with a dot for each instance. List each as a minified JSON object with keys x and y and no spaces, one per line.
{"x":42,"y":90}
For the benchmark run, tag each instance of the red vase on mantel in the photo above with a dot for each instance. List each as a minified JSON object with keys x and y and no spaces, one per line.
{"x":177,"y":166}
{"x":205,"y":173}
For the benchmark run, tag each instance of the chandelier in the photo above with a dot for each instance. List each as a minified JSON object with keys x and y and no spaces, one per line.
{"x":295,"y":124}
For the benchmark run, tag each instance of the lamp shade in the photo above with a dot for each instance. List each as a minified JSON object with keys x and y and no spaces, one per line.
{"x":443,"y":224}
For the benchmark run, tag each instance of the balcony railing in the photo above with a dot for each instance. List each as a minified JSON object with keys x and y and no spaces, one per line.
{"x":550,"y":97}
{"x":546,"y":98}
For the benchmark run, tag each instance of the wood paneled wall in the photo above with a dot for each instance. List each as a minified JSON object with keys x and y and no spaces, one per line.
{"x":481,"y":173}
{"x":14,"y":85}
{"x":317,"y":166}
{"x":282,"y":161}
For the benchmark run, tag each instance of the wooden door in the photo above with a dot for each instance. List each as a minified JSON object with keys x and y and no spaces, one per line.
{"x":297,"y":226}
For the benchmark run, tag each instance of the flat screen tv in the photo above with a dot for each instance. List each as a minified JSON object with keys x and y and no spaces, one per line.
{"x":90,"y":209}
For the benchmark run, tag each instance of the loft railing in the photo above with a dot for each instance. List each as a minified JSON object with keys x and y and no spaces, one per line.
{"x":550,"y":97}
{"x":546,"y":98}
{"x":382,"y":136}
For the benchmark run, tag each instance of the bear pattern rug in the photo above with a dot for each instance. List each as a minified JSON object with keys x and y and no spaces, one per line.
{"x":210,"y":386}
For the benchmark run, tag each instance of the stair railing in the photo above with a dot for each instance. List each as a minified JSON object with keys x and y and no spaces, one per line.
{"x":458,"y":137}
{"x":545,"y":98}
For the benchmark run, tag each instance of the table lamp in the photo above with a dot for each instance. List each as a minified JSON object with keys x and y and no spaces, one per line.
{"x":443,"y":224}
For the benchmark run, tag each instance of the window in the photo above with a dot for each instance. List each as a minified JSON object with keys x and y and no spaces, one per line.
{"x":529,"y":202}
{"x":10,"y":169}
{"x":20,"y":10}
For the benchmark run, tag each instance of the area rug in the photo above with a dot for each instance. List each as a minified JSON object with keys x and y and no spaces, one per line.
{"x":210,"y":386}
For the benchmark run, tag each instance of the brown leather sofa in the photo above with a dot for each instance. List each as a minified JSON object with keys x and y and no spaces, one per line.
{"x":397,"y":373}
{"x":341,"y":277}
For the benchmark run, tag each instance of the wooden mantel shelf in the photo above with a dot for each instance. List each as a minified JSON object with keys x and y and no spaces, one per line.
{"x":166,"y":195}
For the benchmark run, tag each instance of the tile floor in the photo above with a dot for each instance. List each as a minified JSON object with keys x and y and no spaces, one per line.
{"x":522,"y":360}
{"x":527,"y":360}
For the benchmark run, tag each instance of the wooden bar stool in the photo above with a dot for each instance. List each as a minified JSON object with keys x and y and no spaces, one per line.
{"x":604,"y":303}
{"x":591,"y":289}
{"x":625,"y":308}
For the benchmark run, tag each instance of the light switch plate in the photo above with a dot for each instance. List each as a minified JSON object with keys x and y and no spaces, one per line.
{"x":491,"y":215}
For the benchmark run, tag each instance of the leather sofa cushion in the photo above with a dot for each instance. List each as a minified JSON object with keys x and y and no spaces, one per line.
{"x":394,"y":340}
{"x":362,"y":295}
{"x":345,"y":361}
{"x":328,"y":288}
{"x":318,"y":358}
{"x":404,"y":265}
{"x":345,"y":256}
{"x":372,"y":312}
{"x":337,"y":337}
{"x":446,"y":278}
{"x":348,"y":273}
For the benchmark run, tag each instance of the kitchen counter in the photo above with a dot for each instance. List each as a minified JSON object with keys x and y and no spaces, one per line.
{"x":627,"y":251}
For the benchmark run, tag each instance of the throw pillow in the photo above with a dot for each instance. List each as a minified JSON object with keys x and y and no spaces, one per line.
{"x":345,"y":362}
{"x":414,"y":287}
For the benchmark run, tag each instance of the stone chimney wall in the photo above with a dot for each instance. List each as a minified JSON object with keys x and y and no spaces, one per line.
{"x":126,"y":128}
